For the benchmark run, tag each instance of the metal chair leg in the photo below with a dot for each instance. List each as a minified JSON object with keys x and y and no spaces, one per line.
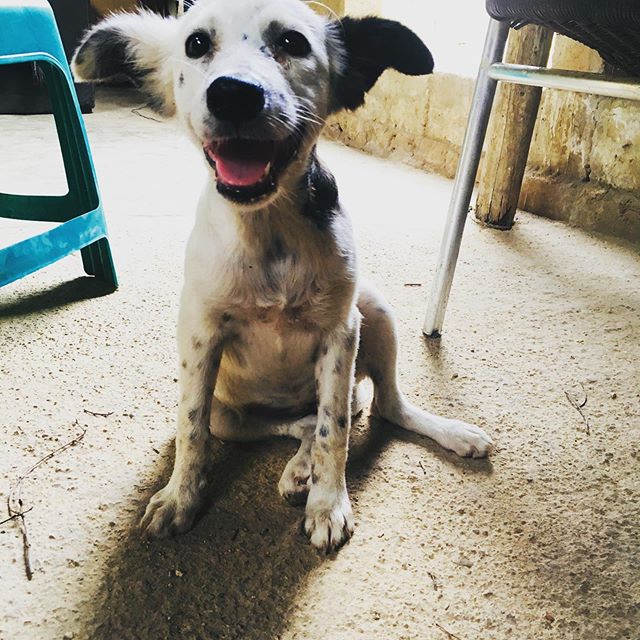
{"x":465,"y":177}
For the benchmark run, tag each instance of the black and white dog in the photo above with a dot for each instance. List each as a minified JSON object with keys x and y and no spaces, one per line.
{"x":275,"y":329}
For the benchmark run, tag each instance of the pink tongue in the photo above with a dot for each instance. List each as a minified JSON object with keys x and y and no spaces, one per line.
{"x":242,"y":163}
{"x":241,"y":172}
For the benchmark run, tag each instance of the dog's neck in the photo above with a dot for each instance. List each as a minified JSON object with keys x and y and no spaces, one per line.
{"x":305,"y":205}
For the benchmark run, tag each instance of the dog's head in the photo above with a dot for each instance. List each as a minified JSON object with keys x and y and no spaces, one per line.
{"x":252,"y":80}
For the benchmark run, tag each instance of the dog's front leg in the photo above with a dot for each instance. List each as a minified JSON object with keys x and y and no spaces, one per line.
{"x":173,"y":509}
{"x":328,"y":517}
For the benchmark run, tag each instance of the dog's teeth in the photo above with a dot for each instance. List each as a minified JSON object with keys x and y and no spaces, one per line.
{"x":267,"y":168}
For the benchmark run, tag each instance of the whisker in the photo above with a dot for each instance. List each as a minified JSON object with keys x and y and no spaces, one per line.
{"x":329,"y":10}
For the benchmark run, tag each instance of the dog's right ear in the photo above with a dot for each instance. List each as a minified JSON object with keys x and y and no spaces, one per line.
{"x":136,"y":45}
{"x":362,"y":48}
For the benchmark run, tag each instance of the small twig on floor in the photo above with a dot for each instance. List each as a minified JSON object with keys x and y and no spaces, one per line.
{"x":144,"y":106}
{"x":449,"y":634}
{"x":436,"y":585}
{"x":15,"y":515}
{"x":422,"y":467}
{"x":412,"y":284}
{"x":98,"y":414}
{"x":579,"y":406}
{"x":15,"y":506}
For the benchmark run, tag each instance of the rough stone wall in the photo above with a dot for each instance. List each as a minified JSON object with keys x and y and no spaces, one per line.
{"x":584,"y":163}
{"x":420,"y":121}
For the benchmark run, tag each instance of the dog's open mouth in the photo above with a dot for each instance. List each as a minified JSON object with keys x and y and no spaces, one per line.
{"x":248,"y":170}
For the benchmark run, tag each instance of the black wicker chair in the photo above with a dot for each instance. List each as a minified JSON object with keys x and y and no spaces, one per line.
{"x":612,"y":27}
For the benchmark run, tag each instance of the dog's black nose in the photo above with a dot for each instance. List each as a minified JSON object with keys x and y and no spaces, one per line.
{"x":234,"y":100}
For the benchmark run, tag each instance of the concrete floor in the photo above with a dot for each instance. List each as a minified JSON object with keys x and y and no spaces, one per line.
{"x":541,"y":542}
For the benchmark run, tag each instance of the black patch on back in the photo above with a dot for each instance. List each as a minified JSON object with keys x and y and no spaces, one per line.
{"x":370,"y":46}
{"x":321,"y":190}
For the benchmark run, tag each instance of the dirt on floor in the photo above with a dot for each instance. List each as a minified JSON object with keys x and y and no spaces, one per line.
{"x":540,"y":542}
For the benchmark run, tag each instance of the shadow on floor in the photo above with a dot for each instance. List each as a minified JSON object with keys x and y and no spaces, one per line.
{"x":60,"y":295}
{"x":237,"y":573}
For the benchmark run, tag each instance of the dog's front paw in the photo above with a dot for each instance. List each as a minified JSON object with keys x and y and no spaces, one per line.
{"x":466,"y":440}
{"x":169,"y":513}
{"x":328,"y":520}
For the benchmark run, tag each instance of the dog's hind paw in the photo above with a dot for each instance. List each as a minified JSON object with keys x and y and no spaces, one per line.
{"x":328,"y":523}
{"x":296,"y":479}
{"x":168,"y":514}
{"x":466,"y":440}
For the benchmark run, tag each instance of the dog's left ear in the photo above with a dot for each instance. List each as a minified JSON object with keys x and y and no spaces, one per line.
{"x":363,"y":48}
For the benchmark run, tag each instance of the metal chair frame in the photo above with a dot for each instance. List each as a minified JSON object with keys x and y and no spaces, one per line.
{"x":493,"y":70}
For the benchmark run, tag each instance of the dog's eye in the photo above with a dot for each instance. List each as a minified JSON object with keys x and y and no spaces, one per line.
{"x":295,"y":44}
{"x":197,"y":45}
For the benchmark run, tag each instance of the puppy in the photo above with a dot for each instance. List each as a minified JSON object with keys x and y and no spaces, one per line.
{"x":275,"y":329}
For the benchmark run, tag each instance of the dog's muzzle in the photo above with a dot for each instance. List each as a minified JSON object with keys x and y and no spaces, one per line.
{"x":247,"y":169}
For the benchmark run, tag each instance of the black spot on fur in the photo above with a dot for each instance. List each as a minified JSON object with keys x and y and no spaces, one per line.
{"x":338,"y":368}
{"x":273,"y":32}
{"x":194,"y":415}
{"x":325,"y":350}
{"x":342,"y":422}
{"x":324,"y":431}
{"x":321,"y":191}
{"x":183,"y":364}
{"x":196,"y":343}
{"x":276,"y":250}
{"x":382,"y":310}
{"x":226,"y":317}
{"x":371,"y":45}
{"x":315,"y":477}
{"x":326,"y":411}
{"x":350,"y":341}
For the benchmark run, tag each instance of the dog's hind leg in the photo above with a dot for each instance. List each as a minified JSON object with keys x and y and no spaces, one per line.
{"x":377,"y":359}
{"x":234,"y":426}
{"x":295,"y":481}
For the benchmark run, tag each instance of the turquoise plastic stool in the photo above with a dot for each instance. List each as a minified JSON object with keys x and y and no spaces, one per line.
{"x":28,"y":33}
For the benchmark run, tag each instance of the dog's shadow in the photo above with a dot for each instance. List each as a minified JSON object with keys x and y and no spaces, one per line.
{"x":237,"y":573}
